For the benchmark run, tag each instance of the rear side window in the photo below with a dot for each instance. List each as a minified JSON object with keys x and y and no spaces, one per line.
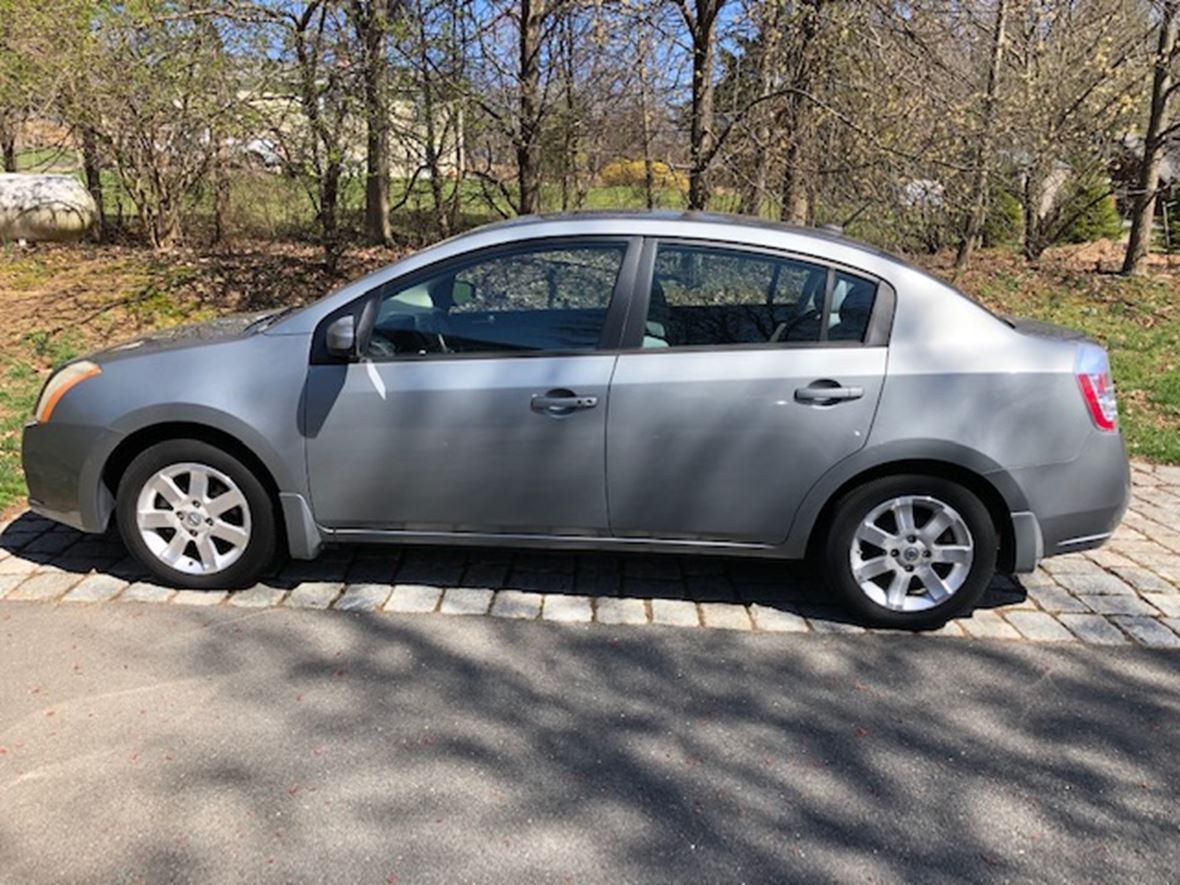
{"x":710,"y":296}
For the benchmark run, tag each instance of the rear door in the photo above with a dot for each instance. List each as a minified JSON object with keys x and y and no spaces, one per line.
{"x":481,"y":403}
{"x":744,"y":377}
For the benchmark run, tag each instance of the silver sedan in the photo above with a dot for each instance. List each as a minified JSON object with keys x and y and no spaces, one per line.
{"x":671,"y":382}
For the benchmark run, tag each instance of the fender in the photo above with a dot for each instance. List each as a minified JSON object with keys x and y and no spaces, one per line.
{"x":895,"y":451}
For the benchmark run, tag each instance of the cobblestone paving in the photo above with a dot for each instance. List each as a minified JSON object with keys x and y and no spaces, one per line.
{"x":1126,"y":592}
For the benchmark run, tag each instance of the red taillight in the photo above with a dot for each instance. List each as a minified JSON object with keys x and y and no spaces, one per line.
{"x":1093,"y":373}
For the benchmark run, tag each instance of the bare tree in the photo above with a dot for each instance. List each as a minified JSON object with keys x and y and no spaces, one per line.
{"x":1154,"y":140}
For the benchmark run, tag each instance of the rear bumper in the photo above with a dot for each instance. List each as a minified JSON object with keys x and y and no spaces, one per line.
{"x":63,"y":469}
{"x":1076,"y":505}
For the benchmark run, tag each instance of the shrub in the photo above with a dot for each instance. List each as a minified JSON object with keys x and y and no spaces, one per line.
{"x":631,"y":173}
{"x":1089,"y":212}
{"x":1005,"y":219}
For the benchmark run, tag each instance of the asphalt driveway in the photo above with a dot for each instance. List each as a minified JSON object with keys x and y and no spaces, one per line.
{"x":177,"y":743}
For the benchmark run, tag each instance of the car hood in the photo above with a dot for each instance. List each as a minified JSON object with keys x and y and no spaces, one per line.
{"x":193,"y":334}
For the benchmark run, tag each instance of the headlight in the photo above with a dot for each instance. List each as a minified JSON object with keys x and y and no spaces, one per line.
{"x":61,"y":381}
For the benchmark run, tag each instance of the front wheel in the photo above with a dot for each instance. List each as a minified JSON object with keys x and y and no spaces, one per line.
{"x":910,"y":551}
{"x":195,"y":516}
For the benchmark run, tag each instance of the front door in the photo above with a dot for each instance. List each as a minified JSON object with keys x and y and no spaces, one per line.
{"x":480,"y":404}
{"x":755,"y":374}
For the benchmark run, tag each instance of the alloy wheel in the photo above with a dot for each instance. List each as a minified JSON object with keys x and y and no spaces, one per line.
{"x":193,"y":518}
{"x":911,"y":553}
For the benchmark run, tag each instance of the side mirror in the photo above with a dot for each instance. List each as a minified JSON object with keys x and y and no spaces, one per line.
{"x":341,"y":338}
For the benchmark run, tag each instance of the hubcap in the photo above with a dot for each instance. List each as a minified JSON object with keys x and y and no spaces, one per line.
{"x":911,"y":553}
{"x":193,"y":518}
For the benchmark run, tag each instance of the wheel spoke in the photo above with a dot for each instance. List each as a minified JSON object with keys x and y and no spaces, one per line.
{"x":166,"y":489}
{"x":896,"y":594}
{"x":198,"y":485}
{"x":208,"y":553}
{"x":225,"y":501}
{"x":175,"y":548}
{"x":936,"y":525}
{"x":951,"y":553}
{"x":231,"y":534}
{"x":878,"y":537}
{"x":903,"y":513}
{"x":872,"y":568}
{"x":935,"y":588}
{"x":156,"y":519}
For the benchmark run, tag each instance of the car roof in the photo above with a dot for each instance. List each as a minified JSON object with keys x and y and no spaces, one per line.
{"x":672,"y":222}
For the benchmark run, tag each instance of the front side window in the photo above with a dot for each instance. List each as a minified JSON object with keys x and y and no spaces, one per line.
{"x":707,"y":296}
{"x":545,"y":298}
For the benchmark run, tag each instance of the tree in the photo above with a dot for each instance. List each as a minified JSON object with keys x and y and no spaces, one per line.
{"x":372,"y":20}
{"x":700,"y":20}
{"x":1154,"y":140}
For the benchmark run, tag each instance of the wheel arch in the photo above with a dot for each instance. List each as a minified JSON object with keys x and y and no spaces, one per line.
{"x":145,"y":437}
{"x":987,"y":480}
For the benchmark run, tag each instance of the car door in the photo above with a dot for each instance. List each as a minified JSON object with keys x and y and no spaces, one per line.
{"x":744,"y":377}
{"x":479,"y":404}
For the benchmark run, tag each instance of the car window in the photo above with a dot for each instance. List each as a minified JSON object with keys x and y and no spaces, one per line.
{"x":852,"y":306}
{"x":715,"y":296}
{"x":547,"y":298}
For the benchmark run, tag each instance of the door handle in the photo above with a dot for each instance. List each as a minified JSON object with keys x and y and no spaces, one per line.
{"x":827,"y":393}
{"x":561,"y":402}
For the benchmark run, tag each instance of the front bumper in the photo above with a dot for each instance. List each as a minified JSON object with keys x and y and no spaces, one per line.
{"x":63,"y":469}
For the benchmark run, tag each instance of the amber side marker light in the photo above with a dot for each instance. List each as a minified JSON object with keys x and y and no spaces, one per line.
{"x":59,"y":383}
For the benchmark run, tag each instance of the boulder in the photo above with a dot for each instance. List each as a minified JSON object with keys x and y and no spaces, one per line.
{"x":41,"y":208}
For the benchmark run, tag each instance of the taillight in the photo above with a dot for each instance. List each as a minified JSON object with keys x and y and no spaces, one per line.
{"x":1093,"y":373}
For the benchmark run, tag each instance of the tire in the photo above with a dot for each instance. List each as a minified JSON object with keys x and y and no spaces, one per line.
{"x":903,"y":583}
{"x":230,"y":540}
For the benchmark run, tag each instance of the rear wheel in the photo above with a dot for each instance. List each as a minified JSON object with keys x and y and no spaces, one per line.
{"x":910,"y":551}
{"x":195,"y":516}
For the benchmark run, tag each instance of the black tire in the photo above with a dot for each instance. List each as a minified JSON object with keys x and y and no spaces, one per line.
{"x":258,"y":553}
{"x":860,"y":502}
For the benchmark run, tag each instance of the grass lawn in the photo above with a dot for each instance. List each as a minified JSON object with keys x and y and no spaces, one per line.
{"x":57,"y":302}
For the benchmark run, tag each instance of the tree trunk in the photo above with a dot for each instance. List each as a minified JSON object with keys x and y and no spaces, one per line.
{"x":372,"y":25}
{"x":1143,"y":213}
{"x":702,"y":27}
{"x":979,"y":186}
{"x":754,"y":197}
{"x":8,"y":147}
{"x":528,"y":149}
{"x":330,"y":214}
{"x":794,"y":208}
{"x":1034,"y":190}
{"x":93,"y":172}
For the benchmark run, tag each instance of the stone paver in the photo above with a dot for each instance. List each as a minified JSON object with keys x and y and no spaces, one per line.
{"x":1038,"y":626}
{"x":986,"y":624}
{"x":466,"y":601}
{"x":725,"y":616}
{"x":1093,"y":629}
{"x":517,"y":604}
{"x":44,"y":587}
{"x":774,"y":620}
{"x":1125,"y":592}
{"x":314,"y":594}
{"x":1148,"y":631}
{"x":1056,"y":599}
{"x":363,"y":597}
{"x":414,"y":598}
{"x":675,"y":613}
{"x":1102,"y":584}
{"x":568,"y":609}
{"x":621,"y":611}
{"x":258,"y":596}
{"x":199,"y":597}
{"x":96,"y":588}
{"x":1120,"y":605}
{"x":143,"y":591}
